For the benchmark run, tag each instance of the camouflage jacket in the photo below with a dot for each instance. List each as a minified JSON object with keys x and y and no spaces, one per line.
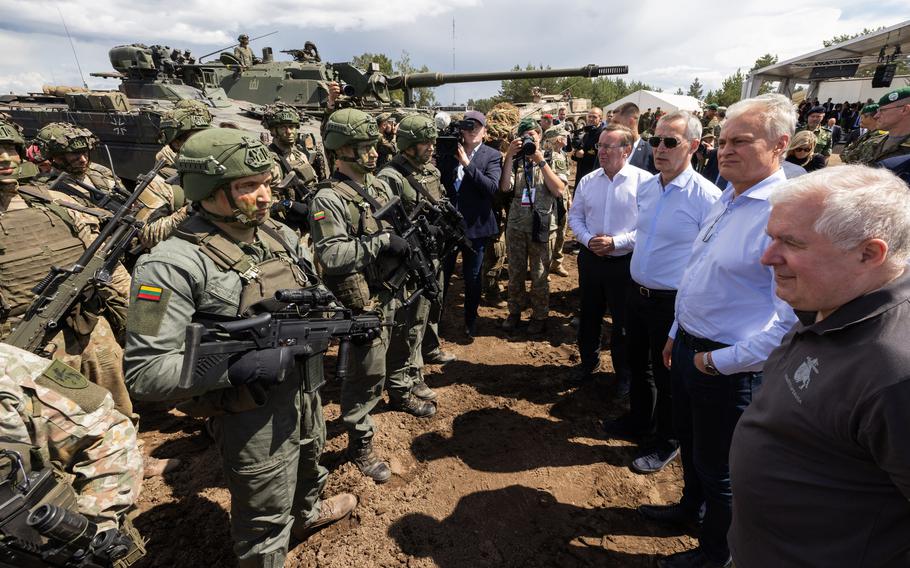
{"x":73,"y":424}
{"x":823,"y":140}
{"x":873,"y":148}
{"x":386,"y":148}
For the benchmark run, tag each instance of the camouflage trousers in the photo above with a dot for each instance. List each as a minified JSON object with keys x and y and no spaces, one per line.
{"x":561,"y":233}
{"x":362,"y":389}
{"x":494,"y":264}
{"x":522,"y":252}
{"x":99,"y":357}
{"x":270,"y":456}
{"x":429,"y":342}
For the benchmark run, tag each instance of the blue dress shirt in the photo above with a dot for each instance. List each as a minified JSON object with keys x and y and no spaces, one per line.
{"x":669,"y":219}
{"x":726,"y":294}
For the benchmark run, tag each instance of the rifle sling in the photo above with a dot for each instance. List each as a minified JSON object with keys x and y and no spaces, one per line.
{"x":99,"y":213}
{"x":414,"y":183}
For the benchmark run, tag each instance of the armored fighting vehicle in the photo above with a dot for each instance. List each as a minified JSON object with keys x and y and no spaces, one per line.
{"x":153,"y":78}
{"x":576,"y":108}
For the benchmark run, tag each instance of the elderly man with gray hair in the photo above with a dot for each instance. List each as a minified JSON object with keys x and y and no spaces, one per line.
{"x":820,"y":460}
{"x":672,"y":208}
{"x":727,"y":322}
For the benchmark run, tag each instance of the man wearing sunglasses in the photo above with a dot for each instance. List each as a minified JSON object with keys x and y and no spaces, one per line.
{"x":893,"y":117}
{"x":727,"y":322}
{"x":672,"y":208}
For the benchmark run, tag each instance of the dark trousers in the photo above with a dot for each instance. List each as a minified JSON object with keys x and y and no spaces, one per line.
{"x":602,"y":282}
{"x":471,"y":263}
{"x":705,"y":412}
{"x":650,"y":317}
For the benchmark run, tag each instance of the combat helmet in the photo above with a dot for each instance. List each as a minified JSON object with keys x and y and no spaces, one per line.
{"x":59,"y":138}
{"x":243,"y":37}
{"x":413,"y":129}
{"x":184,"y":118}
{"x":349,"y":126}
{"x":278,"y":114}
{"x":11,"y":134}
{"x":216,"y":156}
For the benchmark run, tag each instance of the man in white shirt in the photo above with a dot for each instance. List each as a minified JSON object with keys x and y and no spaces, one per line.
{"x":603,"y":218}
{"x":728,"y":319}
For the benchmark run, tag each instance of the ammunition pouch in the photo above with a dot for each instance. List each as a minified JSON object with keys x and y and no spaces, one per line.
{"x":540,"y":226}
{"x":352,"y":290}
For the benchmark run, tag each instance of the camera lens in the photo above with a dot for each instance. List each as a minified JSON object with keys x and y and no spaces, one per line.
{"x":528,"y":146}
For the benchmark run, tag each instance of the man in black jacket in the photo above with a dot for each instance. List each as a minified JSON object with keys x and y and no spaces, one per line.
{"x":584,"y":152}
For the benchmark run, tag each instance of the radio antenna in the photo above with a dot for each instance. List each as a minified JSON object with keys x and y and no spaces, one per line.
{"x":73,"y":47}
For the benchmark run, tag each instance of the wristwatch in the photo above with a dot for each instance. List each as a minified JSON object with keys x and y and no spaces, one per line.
{"x":710,"y":369}
{"x":541,"y":164}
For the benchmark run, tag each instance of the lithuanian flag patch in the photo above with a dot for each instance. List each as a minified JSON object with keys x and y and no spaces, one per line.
{"x":319,"y":216}
{"x":152,"y":293}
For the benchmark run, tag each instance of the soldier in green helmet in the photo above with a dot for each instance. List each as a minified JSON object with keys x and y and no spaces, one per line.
{"x":226,"y":258}
{"x":243,"y":53}
{"x":413,"y":178}
{"x":177,"y":125}
{"x":355,"y":252}
{"x":283,"y":123}
{"x":388,"y":124}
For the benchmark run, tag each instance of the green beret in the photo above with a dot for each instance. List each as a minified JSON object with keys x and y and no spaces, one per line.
{"x":712,"y":106}
{"x":526,"y":124}
{"x":870,"y":109}
{"x":895,"y":95}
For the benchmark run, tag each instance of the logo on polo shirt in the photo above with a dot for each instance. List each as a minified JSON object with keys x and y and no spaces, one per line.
{"x":802,"y":377}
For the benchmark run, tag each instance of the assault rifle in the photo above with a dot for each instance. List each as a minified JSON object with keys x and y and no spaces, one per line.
{"x":62,"y":288}
{"x":40,"y":527}
{"x":451,"y":226}
{"x":308,"y":320}
{"x":112,"y":200}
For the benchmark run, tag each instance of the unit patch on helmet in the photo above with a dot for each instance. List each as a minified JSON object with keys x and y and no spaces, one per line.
{"x":257,"y":156}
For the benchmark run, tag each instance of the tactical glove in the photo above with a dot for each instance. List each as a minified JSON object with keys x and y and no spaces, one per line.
{"x":266,"y":366}
{"x":397,"y":246}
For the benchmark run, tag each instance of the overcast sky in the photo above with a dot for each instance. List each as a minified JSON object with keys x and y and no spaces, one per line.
{"x":664,"y":43}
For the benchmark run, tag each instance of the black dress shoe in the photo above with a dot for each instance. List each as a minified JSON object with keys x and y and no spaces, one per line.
{"x":694,"y":558}
{"x":674,"y":514}
{"x":622,"y":428}
{"x":654,"y":461}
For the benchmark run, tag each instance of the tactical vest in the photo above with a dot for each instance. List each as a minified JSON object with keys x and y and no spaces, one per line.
{"x":259,"y":282}
{"x":298,"y":162}
{"x":32,"y":240}
{"x":404,"y":173}
{"x":355,"y":291}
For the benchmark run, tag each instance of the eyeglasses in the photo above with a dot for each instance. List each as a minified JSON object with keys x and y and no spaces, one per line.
{"x":668,"y":141}
{"x":600,"y":146}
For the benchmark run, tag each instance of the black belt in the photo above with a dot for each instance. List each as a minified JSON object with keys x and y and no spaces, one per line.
{"x":698,"y":344}
{"x":651,"y":292}
{"x":607,"y":258}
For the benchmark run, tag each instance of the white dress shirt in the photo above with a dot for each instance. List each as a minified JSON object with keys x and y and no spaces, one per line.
{"x":669,"y":219}
{"x":604,"y":206}
{"x":726,"y":294}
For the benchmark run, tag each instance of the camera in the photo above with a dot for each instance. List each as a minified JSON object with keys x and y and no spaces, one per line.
{"x":528,"y":146}
{"x":449,"y":134}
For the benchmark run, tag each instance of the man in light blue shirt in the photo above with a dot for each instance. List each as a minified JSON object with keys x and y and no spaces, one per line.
{"x":728,"y":319}
{"x":672,"y":208}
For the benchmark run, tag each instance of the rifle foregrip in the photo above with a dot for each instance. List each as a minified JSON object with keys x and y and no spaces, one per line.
{"x":344,"y":355}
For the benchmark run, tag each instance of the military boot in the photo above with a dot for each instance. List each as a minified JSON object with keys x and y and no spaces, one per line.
{"x":331,"y":510}
{"x":415,"y":406}
{"x":369,"y":463}
{"x":422,"y":391}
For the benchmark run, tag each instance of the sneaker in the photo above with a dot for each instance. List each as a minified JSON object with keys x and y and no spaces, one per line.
{"x":415,"y":406}
{"x":422,"y":391}
{"x":654,"y":461}
{"x":559,"y":271}
{"x":439,"y":357}
{"x":331,"y":510}
{"x":694,"y":558}
{"x":537,"y":326}
{"x":511,"y":322}
{"x":369,"y":463}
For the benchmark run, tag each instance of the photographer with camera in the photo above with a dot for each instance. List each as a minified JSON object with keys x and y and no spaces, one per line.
{"x":583,"y":144}
{"x":471,"y":177}
{"x":537,"y":185}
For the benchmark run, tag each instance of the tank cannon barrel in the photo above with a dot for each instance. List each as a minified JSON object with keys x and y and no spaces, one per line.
{"x":417,"y":80}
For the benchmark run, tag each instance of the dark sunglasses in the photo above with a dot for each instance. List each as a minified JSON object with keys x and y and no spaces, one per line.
{"x":669,"y":142}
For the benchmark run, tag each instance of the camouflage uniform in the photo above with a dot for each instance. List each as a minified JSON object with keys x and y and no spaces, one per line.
{"x":387,"y":149}
{"x":522,"y":249}
{"x":872,"y":148}
{"x":823,"y":139}
{"x":560,"y":165}
{"x":76,"y":429}
{"x":244,"y":55}
{"x":270,"y":444}
{"x":405,"y":356}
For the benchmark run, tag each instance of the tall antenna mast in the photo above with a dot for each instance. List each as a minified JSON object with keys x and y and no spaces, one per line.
{"x":73,"y":47}
{"x":453,"y":59}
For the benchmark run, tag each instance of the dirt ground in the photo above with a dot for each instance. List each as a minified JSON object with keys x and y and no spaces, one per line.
{"x":512,"y":470}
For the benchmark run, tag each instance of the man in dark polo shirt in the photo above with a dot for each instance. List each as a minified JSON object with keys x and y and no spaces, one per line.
{"x":820,"y":460}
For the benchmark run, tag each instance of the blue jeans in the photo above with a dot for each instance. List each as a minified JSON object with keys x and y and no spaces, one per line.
{"x":705,"y":412}
{"x":471,"y":264}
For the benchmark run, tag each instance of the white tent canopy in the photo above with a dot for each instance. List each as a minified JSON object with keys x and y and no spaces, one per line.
{"x":651,"y":99}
